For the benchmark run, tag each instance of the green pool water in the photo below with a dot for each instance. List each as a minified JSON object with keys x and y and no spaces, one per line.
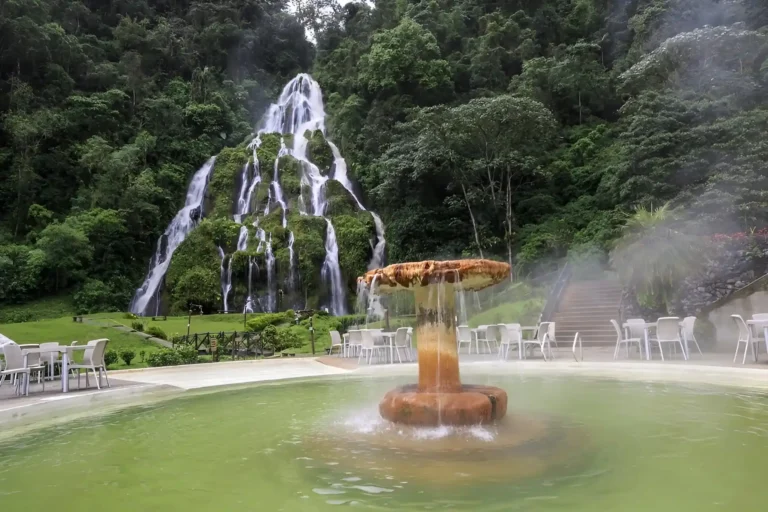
{"x":318,"y":445}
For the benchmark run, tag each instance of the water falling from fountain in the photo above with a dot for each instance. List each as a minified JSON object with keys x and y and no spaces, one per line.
{"x":176,"y":232}
{"x":462,"y":313}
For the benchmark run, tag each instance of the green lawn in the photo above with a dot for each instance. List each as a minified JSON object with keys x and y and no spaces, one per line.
{"x":65,"y":331}
{"x":177,"y":325}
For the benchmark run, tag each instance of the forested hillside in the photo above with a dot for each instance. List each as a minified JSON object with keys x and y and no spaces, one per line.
{"x":107,"y":110}
{"x":524,"y":130}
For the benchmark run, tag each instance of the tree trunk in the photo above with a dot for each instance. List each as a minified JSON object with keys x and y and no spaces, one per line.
{"x":508,"y":223}
{"x":472,"y":217}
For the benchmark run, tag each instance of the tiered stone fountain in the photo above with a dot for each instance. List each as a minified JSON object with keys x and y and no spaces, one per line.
{"x":439,"y":398}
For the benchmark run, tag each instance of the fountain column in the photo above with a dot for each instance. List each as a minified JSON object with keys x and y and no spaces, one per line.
{"x":436,"y":334}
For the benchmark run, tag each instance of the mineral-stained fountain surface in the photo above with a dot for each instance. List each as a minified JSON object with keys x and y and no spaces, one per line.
{"x":439,"y":398}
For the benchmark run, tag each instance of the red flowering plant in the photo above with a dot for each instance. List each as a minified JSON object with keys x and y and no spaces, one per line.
{"x":754,"y":239}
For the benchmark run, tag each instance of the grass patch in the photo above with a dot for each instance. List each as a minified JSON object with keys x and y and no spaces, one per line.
{"x":40,"y":309}
{"x":64,"y":331}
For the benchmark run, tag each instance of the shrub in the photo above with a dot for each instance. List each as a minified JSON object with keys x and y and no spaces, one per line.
{"x":260,"y":322}
{"x":137,"y":326}
{"x":130,"y":316}
{"x":173,"y":357}
{"x":142,"y":355}
{"x":287,"y":339}
{"x":345,"y":322}
{"x":110,"y":357}
{"x":290,"y":315}
{"x":127,"y":356}
{"x":165,"y":357}
{"x":187,"y":354}
{"x":156,"y":332}
{"x":269,"y":338}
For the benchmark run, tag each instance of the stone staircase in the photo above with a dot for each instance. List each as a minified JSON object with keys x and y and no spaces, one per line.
{"x":587,"y":307}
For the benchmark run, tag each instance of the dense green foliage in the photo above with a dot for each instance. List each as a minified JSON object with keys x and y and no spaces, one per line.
{"x":519,"y":130}
{"x":106,"y":110}
{"x":527,"y":130}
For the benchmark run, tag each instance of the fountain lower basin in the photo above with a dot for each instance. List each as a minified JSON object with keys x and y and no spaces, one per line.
{"x":471,"y":405}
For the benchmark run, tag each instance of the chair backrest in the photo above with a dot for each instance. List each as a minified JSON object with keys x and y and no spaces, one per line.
{"x":744,"y":333}
{"x":13,"y":358}
{"x":543,"y":331}
{"x":492,"y":333}
{"x":510,"y":333}
{"x":52,"y":351}
{"x":551,"y":331}
{"x":368,"y":339}
{"x":636,"y":328}
{"x":356,"y":337}
{"x":401,"y":337}
{"x":97,"y":354}
{"x":668,"y":328}
{"x":335,"y":338}
{"x":689,"y":323}
{"x":465,"y":333}
{"x":617,"y":328}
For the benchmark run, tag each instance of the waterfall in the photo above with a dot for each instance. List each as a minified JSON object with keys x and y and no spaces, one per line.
{"x":226,"y":277}
{"x":332,"y":272}
{"x":291,"y":263}
{"x":271,"y":285}
{"x":241,"y":196}
{"x":377,"y":260}
{"x":242,"y":239}
{"x":299,"y":109}
{"x":276,"y":181}
{"x":340,"y":175}
{"x":185,"y":221}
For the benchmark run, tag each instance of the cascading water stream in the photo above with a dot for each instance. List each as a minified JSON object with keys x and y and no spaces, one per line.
{"x":226,"y":277}
{"x":340,"y":175}
{"x":176,"y":232}
{"x":332,"y":271}
{"x":291,"y":262}
{"x":298,"y":109}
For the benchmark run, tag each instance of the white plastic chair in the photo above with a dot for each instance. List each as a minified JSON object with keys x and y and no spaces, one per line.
{"x":745,"y":336}
{"x":14,"y":367}
{"x":689,"y":323}
{"x":355,"y":341}
{"x":464,"y":335}
{"x":509,"y":334}
{"x":541,"y":342}
{"x":492,"y":336}
{"x":551,"y":332}
{"x":401,"y":343}
{"x":758,"y":333}
{"x":336,"y":343}
{"x":620,"y":339}
{"x":51,"y":358}
{"x":668,"y":331}
{"x":93,"y":360}
{"x":368,"y":345}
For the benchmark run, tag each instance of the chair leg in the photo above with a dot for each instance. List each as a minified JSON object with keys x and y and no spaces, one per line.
{"x":616,"y":350}
{"x":738,"y":344}
{"x":746,"y":347}
{"x":106,"y":377}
